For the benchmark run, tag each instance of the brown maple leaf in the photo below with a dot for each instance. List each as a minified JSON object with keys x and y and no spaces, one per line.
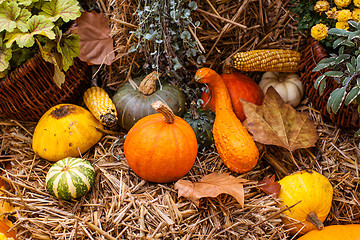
{"x":269,"y":186}
{"x":277,"y":123}
{"x":95,"y":40}
{"x":211,"y":185}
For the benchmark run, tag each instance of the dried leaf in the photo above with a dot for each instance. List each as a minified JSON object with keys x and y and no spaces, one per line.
{"x":269,"y":186}
{"x":95,"y":39}
{"x":277,"y":123}
{"x":211,"y":185}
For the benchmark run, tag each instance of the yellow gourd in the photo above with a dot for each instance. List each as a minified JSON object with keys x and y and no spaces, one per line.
{"x":288,"y":85}
{"x":233,"y":142}
{"x":312,"y":193}
{"x":65,"y":130}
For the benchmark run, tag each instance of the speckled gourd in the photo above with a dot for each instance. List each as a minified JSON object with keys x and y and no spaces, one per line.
{"x":232,"y":140}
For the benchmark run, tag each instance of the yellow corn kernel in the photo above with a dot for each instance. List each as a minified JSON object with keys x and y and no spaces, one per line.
{"x":101,"y":106}
{"x":267,"y":60}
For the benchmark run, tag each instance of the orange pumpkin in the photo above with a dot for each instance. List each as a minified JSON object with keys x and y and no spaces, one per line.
{"x":239,"y":86}
{"x":233,"y":142}
{"x":161,"y":147}
{"x":4,"y":232}
{"x":334,"y":232}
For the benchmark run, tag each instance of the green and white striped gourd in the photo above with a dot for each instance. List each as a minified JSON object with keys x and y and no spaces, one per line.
{"x":70,"y":178}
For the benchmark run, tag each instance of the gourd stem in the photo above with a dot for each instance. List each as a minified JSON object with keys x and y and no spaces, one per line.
{"x":312,"y":217}
{"x":194,"y":114}
{"x":148,"y":84}
{"x":165,"y":110}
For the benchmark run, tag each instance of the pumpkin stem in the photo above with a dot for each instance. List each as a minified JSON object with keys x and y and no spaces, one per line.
{"x":312,"y":217}
{"x":148,"y":84}
{"x":165,"y":110}
{"x":194,"y":114}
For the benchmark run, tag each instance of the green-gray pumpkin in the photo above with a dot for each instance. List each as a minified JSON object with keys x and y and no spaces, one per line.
{"x":202,"y":122}
{"x":133,"y":103}
{"x":70,"y":178}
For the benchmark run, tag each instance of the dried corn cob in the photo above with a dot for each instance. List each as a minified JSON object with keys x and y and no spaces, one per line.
{"x":266,"y":60}
{"x":101,"y":106}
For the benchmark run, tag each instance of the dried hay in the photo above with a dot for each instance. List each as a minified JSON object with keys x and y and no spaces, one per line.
{"x":123,"y":206}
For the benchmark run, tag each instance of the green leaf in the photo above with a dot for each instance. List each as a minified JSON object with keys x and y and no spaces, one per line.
{"x":357,"y":69}
{"x":5,"y":56}
{"x":357,"y":133}
{"x":318,"y":81}
{"x":69,"y":48}
{"x":351,"y":96}
{"x":8,"y":14}
{"x":350,"y":68}
{"x":324,"y":64}
{"x":341,"y":58}
{"x":66,"y":9}
{"x":335,"y":99}
{"x":339,"y":32}
{"x":338,"y":42}
{"x":334,"y":74}
{"x":38,"y":25}
{"x":348,"y":44}
{"x":26,"y":2}
{"x":322,"y":86}
{"x":355,"y":34}
{"x":352,"y":23}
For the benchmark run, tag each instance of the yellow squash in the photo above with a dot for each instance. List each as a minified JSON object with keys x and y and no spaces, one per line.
{"x":312,"y":193}
{"x":65,"y":130}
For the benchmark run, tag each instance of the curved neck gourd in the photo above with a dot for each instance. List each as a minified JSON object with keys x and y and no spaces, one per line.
{"x":220,"y":94}
{"x":233,"y":142}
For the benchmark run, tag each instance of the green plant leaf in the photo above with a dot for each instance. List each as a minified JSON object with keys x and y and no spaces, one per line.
{"x":38,"y":25}
{"x":357,"y":133}
{"x":335,"y":99}
{"x":339,"y":32}
{"x":322,"y":86}
{"x":5,"y":56}
{"x":334,"y":74}
{"x":318,"y":81}
{"x":69,"y":48}
{"x":66,"y":9}
{"x":353,"y":35}
{"x":348,"y":44}
{"x":352,"y":23}
{"x":26,"y":2}
{"x":351,"y":96}
{"x":338,"y":42}
{"x":350,"y":68}
{"x":12,"y":17}
{"x":324,"y":64}
{"x":357,"y":68}
{"x":341,"y":58}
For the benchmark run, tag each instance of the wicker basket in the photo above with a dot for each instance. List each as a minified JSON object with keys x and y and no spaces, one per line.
{"x":29,"y":91}
{"x":347,"y":116}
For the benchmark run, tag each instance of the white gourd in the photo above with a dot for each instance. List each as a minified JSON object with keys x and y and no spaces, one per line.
{"x":288,"y":85}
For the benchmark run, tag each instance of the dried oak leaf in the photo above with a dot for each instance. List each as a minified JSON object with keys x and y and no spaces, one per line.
{"x":277,"y":123}
{"x":95,"y":39}
{"x":211,"y":185}
{"x":269,"y":186}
